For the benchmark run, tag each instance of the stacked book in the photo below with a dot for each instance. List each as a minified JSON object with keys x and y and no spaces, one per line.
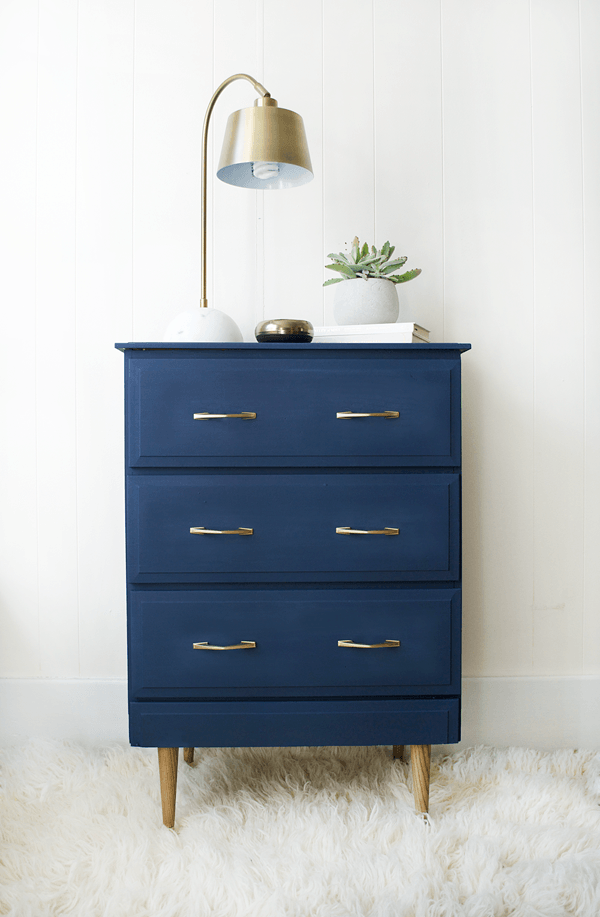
{"x":391,"y":332}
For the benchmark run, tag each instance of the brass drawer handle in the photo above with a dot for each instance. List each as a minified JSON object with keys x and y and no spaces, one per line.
{"x":245,"y":415}
{"x":200,"y":530}
{"x":244,"y":645}
{"x":368,"y":646}
{"x":344,"y":415}
{"x":345,"y":530}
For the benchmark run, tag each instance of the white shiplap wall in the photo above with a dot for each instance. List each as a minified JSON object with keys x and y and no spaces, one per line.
{"x":464,"y":131}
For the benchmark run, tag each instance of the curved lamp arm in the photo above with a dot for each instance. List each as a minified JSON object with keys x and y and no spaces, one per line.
{"x":263,"y":92}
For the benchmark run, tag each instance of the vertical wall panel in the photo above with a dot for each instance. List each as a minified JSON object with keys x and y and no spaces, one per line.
{"x":488,"y":301}
{"x":590,"y":78}
{"x":590,"y":73}
{"x":19,"y":646}
{"x":55,"y":335}
{"x":293,"y":225}
{"x":104,"y":313}
{"x":408,"y":149}
{"x":173,"y":65}
{"x":559,"y":378}
{"x":232,"y":229}
{"x":348,"y":112}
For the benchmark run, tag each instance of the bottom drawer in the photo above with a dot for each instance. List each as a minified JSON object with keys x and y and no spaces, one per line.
{"x":296,"y":635}
{"x":216,"y":724}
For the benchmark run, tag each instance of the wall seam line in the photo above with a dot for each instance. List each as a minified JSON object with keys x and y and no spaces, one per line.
{"x":35,"y":337}
{"x":323,"y":151}
{"x":533,"y":345}
{"x":443,"y":164}
{"x":133,"y":74}
{"x":259,"y":196}
{"x":374,"y":125}
{"x":75,"y":329}
{"x":584,"y":330}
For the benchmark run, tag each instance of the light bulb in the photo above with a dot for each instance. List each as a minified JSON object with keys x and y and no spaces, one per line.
{"x":265,"y":170}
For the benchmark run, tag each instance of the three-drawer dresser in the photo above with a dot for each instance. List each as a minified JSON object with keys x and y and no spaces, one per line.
{"x":293,"y":548}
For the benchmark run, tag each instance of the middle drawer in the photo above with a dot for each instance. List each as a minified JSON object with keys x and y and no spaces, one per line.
{"x":305,"y":527}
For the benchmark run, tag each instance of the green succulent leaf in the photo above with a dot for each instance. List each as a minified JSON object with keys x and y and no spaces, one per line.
{"x":365,"y":250}
{"x":370,"y":259}
{"x":327,"y":283}
{"x":393,"y":265}
{"x":342,"y":268}
{"x":339,"y":258}
{"x":403,"y":278}
{"x":385,"y":251}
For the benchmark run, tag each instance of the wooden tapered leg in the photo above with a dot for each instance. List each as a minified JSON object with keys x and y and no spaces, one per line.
{"x":420,"y":759}
{"x":397,"y":751}
{"x":188,"y":755}
{"x":167,"y":766}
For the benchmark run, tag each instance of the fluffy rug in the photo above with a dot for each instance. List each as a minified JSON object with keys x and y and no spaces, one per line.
{"x":299,"y":832}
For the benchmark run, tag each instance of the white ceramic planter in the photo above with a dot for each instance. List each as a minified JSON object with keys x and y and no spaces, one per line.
{"x":365,"y":302}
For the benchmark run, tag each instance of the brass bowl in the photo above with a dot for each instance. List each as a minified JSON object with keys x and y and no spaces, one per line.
{"x":284,"y":331}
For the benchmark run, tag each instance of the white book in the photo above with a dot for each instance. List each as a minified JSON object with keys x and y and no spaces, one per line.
{"x":392,"y":332}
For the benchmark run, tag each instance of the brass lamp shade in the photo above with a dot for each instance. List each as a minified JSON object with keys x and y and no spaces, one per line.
{"x":265,"y":148}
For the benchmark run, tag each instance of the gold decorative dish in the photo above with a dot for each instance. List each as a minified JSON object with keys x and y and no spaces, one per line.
{"x":284,"y":331}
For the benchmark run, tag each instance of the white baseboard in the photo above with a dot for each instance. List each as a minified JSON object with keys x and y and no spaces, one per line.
{"x":543,"y":713}
{"x":85,"y":710}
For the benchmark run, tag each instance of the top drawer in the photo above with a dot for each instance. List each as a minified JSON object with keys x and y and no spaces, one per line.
{"x":296,"y":402}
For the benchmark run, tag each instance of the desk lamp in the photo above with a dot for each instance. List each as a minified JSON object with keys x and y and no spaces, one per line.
{"x":264,"y":148}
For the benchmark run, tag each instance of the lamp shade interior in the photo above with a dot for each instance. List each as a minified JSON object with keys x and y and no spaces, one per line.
{"x":242,"y":175}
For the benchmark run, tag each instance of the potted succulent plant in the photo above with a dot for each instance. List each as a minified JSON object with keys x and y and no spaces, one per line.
{"x":377,"y":299}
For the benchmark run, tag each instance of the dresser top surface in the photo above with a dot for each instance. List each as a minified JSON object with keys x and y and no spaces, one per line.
{"x":425,"y":348}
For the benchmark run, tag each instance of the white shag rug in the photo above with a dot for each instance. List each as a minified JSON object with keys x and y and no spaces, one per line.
{"x":298,"y":832}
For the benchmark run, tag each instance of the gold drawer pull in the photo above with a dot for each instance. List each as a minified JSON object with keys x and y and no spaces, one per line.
{"x":368,"y":646}
{"x":343,"y":415}
{"x":245,"y":415}
{"x":200,"y":530}
{"x":244,"y":645}
{"x":345,"y":530}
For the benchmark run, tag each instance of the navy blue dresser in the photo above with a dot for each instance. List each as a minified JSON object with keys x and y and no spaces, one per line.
{"x":293,"y":547}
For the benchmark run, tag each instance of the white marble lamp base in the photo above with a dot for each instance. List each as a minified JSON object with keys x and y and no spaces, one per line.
{"x":202,"y":326}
